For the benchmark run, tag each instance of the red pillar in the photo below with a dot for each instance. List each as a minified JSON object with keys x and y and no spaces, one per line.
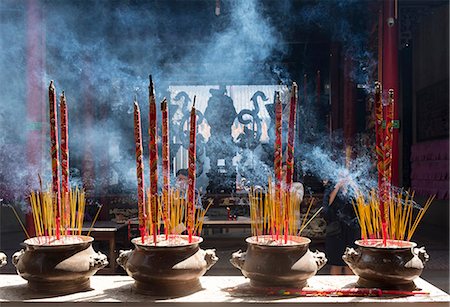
{"x":35,"y":96}
{"x":390,"y":73}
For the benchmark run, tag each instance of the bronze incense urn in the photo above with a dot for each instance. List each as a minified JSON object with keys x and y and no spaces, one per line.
{"x":391,"y":266}
{"x":269,"y":264}
{"x":172,"y":267}
{"x":58,"y":266}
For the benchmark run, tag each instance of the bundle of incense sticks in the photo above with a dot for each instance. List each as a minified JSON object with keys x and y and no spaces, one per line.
{"x":388,"y":215}
{"x":177,"y":220}
{"x":42,"y":207}
{"x":176,"y":209}
{"x":384,"y":111}
{"x":264,"y":205}
{"x":403,"y":216}
{"x":276,"y":212}
{"x":60,"y":200}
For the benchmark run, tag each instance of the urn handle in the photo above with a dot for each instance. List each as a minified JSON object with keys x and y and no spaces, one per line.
{"x":419,"y":258}
{"x":123,"y":257}
{"x":320,"y":259}
{"x":16,"y":257}
{"x":3,"y":259}
{"x":238,"y":259}
{"x":210,"y":258}
{"x":98,"y":261}
{"x":351,"y":256}
{"x":421,"y":253}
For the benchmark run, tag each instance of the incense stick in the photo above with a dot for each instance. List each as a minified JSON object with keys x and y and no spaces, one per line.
{"x":44,"y":214}
{"x":20,"y":221}
{"x":402,"y":221}
{"x":265,"y":217}
{"x":94,"y":220}
{"x":309,"y":221}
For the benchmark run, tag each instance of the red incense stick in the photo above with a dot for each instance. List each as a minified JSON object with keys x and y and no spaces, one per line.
{"x":153,"y":159}
{"x":139,"y":170}
{"x":278,"y":156}
{"x":191,"y":172}
{"x":165,"y":164}
{"x":290,"y":156}
{"x":54,"y":155}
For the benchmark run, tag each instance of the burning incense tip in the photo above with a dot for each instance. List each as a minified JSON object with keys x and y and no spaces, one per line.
{"x":163,"y":103}
{"x":51,"y":86}
{"x":151,"y":87}
{"x":377,"y":87}
{"x":195,"y":97}
{"x":391,"y":93}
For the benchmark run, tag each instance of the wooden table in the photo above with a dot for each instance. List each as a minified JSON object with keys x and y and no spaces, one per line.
{"x":105,"y":231}
{"x":240,"y":222}
{"x":113,"y":290}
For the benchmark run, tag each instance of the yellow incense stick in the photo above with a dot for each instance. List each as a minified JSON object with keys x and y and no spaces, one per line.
{"x":94,"y":220}
{"x":20,"y":221}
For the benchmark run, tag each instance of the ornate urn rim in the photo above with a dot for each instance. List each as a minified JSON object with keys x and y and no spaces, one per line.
{"x":196,"y":240}
{"x":300,"y":241}
{"x":41,"y":242}
{"x":390,"y":244}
